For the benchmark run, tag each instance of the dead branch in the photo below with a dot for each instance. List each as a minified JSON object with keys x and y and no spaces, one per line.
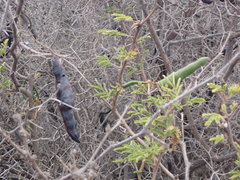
{"x":157,"y":40}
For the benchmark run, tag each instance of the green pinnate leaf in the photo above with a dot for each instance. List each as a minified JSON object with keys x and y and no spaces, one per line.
{"x":103,"y":61}
{"x":212,"y":117}
{"x":6,"y":84}
{"x":234,"y":89}
{"x":136,"y":152}
{"x":224,"y":108}
{"x":2,"y":66}
{"x":177,"y":106}
{"x":235,"y":174}
{"x":142,"y":120}
{"x":195,"y":100}
{"x":3,"y":47}
{"x":136,"y":105}
{"x":170,"y":130}
{"x":237,"y":163}
{"x":112,"y":9}
{"x":131,"y":71}
{"x":111,"y":33}
{"x":160,"y":121}
{"x":131,"y":55}
{"x":233,"y":106}
{"x":158,"y":132}
{"x":216,"y":88}
{"x":142,"y":39}
{"x":123,"y":54}
{"x":122,"y":17}
{"x":104,"y":91}
{"x":97,"y":87}
{"x":217,"y":138}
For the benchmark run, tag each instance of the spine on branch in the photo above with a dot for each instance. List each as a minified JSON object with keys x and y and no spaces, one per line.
{"x":66,"y":95}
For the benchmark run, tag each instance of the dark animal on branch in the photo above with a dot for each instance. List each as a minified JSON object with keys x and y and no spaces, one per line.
{"x":65,"y":94}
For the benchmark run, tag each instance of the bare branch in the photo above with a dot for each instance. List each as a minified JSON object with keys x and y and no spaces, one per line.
{"x":4,"y":16}
{"x":25,"y":152}
{"x":157,"y":40}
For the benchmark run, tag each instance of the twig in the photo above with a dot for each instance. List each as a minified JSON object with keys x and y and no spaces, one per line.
{"x":197,"y":163}
{"x":54,"y":99}
{"x":124,"y":63}
{"x":229,"y":70}
{"x":159,"y":140}
{"x":110,"y":131}
{"x":149,"y":15}
{"x":25,"y":152}
{"x":130,"y":131}
{"x":157,"y":40}
{"x":193,"y":127}
{"x":227,"y":117}
{"x":198,"y":38}
{"x":14,"y":45}
{"x":184,"y":152}
{"x":4,"y":15}
{"x":46,"y":54}
{"x":89,"y":83}
{"x":186,"y":161}
{"x":166,"y":171}
{"x":156,"y":166}
{"x":217,"y":56}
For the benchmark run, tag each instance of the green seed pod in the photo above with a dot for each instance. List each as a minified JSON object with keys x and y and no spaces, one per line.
{"x":185,"y":71}
{"x":181,"y":73}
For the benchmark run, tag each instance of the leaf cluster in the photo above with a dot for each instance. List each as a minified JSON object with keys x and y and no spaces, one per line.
{"x":104,"y":91}
{"x":5,"y":83}
{"x":136,"y":152}
{"x":3,"y":47}
{"x":225,"y":92}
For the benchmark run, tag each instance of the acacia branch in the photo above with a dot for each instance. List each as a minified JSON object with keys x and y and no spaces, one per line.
{"x":186,"y":161}
{"x":229,"y":70}
{"x":199,"y":38}
{"x":4,"y":15}
{"x":31,"y":159}
{"x":146,"y":127}
{"x":156,"y":40}
{"x":133,"y":47}
{"x":198,"y":163}
{"x":166,"y":171}
{"x":193,"y":127}
{"x":14,"y":45}
{"x":217,"y":56}
{"x":185,"y":93}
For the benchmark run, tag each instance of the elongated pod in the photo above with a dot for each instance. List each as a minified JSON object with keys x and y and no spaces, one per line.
{"x":181,"y":73}
{"x":66,"y":95}
{"x":69,"y":122}
{"x":185,"y":71}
